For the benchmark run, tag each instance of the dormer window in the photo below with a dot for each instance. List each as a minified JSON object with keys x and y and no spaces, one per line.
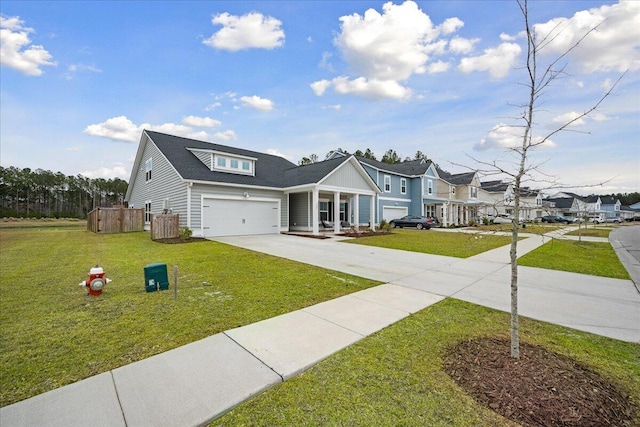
{"x":232,"y":164}
{"x":226,"y":162}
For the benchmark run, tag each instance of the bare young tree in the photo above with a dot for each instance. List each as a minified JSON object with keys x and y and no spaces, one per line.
{"x":518,"y":167}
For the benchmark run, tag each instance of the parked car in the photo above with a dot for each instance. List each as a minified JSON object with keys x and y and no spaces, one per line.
{"x":614,"y":220}
{"x":419,"y":222}
{"x":503,"y":219}
{"x":556,"y":218}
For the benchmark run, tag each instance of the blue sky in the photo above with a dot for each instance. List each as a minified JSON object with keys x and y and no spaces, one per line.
{"x":80,"y":80}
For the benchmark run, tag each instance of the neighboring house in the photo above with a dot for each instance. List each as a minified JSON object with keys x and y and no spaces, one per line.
{"x":502,"y":199}
{"x":610,"y":206}
{"x":461,"y":193}
{"x":572,"y":205}
{"x":220,"y":190}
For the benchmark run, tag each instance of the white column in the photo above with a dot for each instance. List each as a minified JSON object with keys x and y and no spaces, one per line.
{"x":445,"y":214}
{"x":356,"y":212}
{"x":336,"y":212}
{"x":315,"y":215}
{"x":372,"y":213}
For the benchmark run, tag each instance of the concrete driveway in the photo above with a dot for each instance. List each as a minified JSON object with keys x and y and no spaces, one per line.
{"x":604,"y":306}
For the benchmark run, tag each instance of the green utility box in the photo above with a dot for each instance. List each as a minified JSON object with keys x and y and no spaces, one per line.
{"x":155,"y":277}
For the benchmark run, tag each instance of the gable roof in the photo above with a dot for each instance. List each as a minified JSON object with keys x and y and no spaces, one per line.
{"x":311,"y":173}
{"x":608,"y":200}
{"x":268,"y":168}
{"x":561,"y":202}
{"x":494,"y":186}
{"x":410,"y":168}
{"x":458,"y":178}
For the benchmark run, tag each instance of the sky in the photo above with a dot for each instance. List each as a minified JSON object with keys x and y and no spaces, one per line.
{"x":80,"y":80}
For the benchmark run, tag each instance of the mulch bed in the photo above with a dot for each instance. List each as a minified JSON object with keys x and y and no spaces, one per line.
{"x":542,"y":388}
{"x":176,"y":240}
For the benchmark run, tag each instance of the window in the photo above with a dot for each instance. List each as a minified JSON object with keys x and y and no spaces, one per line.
{"x":324,"y":211}
{"x":147,"y":211}
{"x":453,"y":189}
{"x":387,"y":184}
{"x":147,"y":169}
{"x":430,"y":186}
{"x":430,"y":211}
{"x":403,"y":185}
{"x":474,"y":192}
{"x":231,"y":164}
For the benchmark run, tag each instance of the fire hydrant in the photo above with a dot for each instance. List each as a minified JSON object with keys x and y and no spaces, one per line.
{"x":96,"y":281}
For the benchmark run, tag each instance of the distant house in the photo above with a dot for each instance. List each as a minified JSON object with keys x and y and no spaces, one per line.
{"x":219,"y":190}
{"x":610,"y":207}
{"x":502,"y":197}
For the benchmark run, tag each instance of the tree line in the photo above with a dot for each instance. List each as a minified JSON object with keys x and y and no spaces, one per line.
{"x":41,"y":193}
{"x":390,"y":156}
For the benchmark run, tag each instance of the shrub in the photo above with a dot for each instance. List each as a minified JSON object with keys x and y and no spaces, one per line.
{"x":384,"y":225}
{"x":185,"y":233}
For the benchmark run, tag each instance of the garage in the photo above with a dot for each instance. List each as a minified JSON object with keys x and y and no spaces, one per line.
{"x":236,"y":217}
{"x":394,"y":212}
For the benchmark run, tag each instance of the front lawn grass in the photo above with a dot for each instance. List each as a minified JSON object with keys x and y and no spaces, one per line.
{"x":53,"y":334}
{"x":460,"y":245}
{"x":396,"y":376}
{"x":531,"y":228}
{"x":594,"y":258}
{"x":591,"y":231}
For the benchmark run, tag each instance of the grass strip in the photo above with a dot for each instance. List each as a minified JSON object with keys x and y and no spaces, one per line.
{"x":460,"y":245}
{"x":594,"y":258}
{"x":54,"y":334}
{"x":396,"y":376}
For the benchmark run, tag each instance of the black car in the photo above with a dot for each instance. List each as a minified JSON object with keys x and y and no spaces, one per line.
{"x":556,"y":218}
{"x":419,"y":222}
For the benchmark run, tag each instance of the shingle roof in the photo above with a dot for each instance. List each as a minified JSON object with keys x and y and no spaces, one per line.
{"x":494,"y":186}
{"x":410,"y":168}
{"x":269,"y":169}
{"x":562,"y":202}
{"x":608,"y":200}
{"x":311,"y":173}
{"x":458,"y":178}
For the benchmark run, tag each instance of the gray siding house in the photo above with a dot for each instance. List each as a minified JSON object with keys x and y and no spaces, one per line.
{"x":220,"y":191}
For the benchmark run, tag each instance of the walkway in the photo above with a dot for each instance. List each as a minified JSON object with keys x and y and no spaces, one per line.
{"x":200,"y":381}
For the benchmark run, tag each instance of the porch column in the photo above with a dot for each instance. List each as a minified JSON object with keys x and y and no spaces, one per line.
{"x":336,"y":212}
{"x":445,"y":214}
{"x":356,"y":212}
{"x":372,"y":213}
{"x":315,"y":215}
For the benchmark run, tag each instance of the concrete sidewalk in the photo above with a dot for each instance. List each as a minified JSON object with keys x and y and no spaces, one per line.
{"x":198,"y":382}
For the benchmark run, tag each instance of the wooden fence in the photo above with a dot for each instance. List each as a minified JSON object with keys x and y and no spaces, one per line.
{"x":166,"y":226}
{"x":115,"y":220}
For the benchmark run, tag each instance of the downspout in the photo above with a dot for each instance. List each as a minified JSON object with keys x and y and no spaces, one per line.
{"x":189,"y":185}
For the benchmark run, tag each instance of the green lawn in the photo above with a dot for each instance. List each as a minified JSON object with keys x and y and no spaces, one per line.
{"x":540,"y":228}
{"x":53,"y":334}
{"x":597,"y":259}
{"x":461,"y":245}
{"x":591,"y":231}
{"x":396,"y":377}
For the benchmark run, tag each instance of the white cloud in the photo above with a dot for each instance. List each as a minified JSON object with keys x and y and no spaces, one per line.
{"x":16,"y":50}
{"x":385,"y":49}
{"x":614,"y":46}
{"x":74,"y":69}
{"x":497,"y":61}
{"x":252,"y":30}
{"x":451,"y":25}
{"x":506,"y":37}
{"x":118,"y":171}
{"x":568,"y":117}
{"x":257,"y":103}
{"x":324,"y":62}
{"x":503,"y":136}
{"x":201,"y":122}
{"x":122,"y":129}
{"x":438,"y":67}
{"x":371,"y":89}
{"x":118,"y":128}
{"x":462,"y":45}
{"x":276,"y":152}
{"x":212,"y":106}
{"x":320,"y":87}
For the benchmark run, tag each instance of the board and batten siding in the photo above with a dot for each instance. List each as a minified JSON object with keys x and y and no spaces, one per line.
{"x":200,"y":190}
{"x":165,"y":183}
{"x":348,"y":177}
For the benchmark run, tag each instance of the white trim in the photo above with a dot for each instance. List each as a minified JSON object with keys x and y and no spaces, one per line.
{"x":405,"y":185}
{"x":239,"y":198}
{"x":384,"y":183}
{"x":222,"y":153}
{"x":395,"y":199}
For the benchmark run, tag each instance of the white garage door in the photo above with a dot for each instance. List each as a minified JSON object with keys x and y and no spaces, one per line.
{"x":393,"y":212}
{"x":221,"y":217}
